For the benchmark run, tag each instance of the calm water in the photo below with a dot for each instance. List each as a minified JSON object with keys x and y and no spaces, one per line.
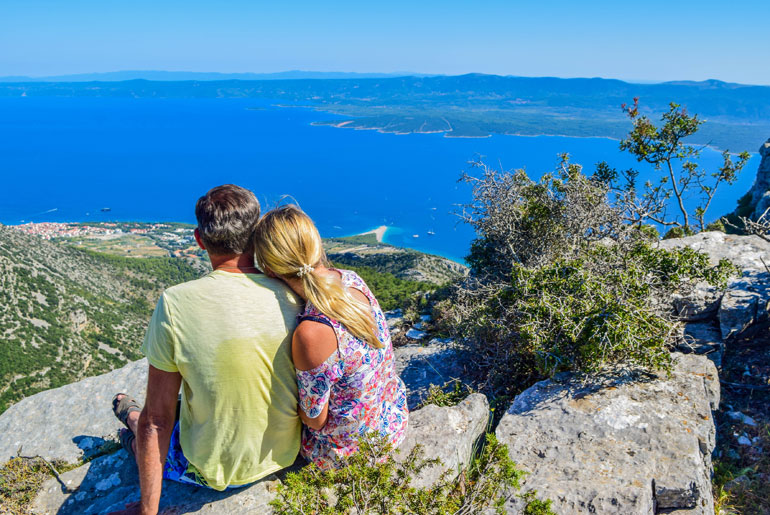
{"x":63,"y":159}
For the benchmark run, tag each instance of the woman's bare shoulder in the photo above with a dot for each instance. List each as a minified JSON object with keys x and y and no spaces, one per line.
{"x":312,"y":344}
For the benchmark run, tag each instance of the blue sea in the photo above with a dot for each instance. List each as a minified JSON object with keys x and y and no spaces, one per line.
{"x":64,"y":159}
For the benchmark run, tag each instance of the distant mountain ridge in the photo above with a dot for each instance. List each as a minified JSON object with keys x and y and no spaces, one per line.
{"x":472,"y":105}
{"x":161,"y":75}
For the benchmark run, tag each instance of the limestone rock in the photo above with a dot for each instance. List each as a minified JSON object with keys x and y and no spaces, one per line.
{"x":759,"y":192}
{"x":420,"y":366}
{"x":109,"y":482}
{"x":446,"y":433}
{"x":703,"y":338}
{"x":745,"y":303}
{"x":70,"y":422}
{"x":746,"y":252}
{"x":616,"y":445}
{"x":699,"y":304}
{"x":415,"y":334}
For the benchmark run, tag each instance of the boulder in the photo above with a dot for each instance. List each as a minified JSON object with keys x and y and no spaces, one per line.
{"x":618,"y":444}
{"x":107,"y":483}
{"x":760,"y":191}
{"x":420,"y":366}
{"x":449,"y":433}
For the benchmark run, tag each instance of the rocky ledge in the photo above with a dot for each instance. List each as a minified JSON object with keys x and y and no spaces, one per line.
{"x":75,"y":422}
{"x":623,"y":445}
{"x":713,"y":317}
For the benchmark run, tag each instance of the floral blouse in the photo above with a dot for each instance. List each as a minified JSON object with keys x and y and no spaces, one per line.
{"x":360,"y":383}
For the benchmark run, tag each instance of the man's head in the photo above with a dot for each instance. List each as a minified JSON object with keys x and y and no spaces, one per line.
{"x":227,"y":216}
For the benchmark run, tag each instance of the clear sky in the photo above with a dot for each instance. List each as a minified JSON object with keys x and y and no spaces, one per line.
{"x":641,"y":40}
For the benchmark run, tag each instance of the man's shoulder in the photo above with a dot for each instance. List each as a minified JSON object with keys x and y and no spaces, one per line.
{"x":258,"y":285}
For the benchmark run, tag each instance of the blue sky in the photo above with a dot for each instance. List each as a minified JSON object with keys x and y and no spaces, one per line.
{"x":653,"y":40}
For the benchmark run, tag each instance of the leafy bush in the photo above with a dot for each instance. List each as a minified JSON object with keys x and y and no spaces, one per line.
{"x":371,"y":483}
{"x":562,"y":283}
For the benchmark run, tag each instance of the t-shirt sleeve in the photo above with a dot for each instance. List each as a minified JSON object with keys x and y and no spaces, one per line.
{"x":159,"y":340}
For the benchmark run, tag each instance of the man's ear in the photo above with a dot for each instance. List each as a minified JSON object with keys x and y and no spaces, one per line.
{"x":198,"y":239}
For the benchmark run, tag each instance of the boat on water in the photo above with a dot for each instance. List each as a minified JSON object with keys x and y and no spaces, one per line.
{"x":415,"y":235}
{"x":431,"y":233}
{"x":106,"y":209}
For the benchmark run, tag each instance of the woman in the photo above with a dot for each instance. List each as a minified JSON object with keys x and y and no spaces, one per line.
{"x":348,"y":386}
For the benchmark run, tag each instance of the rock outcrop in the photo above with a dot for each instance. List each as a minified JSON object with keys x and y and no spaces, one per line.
{"x":745,"y":304}
{"x":72,"y":422}
{"x":109,"y":482}
{"x":760,"y":192}
{"x":617,"y":445}
{"x":75,"y":422}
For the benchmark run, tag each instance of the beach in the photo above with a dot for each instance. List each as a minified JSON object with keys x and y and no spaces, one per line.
{"x":379,"y":233}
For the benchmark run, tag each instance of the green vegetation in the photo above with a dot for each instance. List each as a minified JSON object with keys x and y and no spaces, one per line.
{"x":67,"y":313}
{"x":20,"y":481}
{"x":562,"y":282}
{"x":391,"y":292}
{"x":372,"y":483}
{"x":682,"y":178}
{"x":451,"y":394}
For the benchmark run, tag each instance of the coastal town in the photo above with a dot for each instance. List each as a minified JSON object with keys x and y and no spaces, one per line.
{"x":127,"y":238}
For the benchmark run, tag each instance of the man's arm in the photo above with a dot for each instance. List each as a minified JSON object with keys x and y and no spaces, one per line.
{"x":156,"y":422}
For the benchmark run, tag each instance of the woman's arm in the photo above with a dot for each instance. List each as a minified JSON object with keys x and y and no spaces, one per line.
{"x":312,"y":344}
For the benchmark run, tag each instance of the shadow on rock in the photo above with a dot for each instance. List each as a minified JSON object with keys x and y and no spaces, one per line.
{"x":109,"y":482}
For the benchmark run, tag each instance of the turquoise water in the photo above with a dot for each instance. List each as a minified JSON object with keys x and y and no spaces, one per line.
{"x":63,"y":159}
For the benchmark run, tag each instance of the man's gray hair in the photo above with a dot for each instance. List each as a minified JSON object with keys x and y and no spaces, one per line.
{"x":227,"y":216}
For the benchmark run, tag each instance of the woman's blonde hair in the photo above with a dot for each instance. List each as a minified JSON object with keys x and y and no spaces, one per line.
{"x":287,"y":242}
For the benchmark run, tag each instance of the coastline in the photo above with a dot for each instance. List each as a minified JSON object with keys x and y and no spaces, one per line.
{"x":379,"y":233}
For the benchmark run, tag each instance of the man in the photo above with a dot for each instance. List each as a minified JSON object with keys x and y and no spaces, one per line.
{"x":226,"y":340}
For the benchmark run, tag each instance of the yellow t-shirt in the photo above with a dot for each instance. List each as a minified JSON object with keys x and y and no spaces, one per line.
{"x":229,"y":336}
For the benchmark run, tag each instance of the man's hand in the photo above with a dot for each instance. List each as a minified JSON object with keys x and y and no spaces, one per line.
{"x":156,"y":422}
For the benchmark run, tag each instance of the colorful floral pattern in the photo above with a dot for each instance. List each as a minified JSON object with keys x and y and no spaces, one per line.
{"x":359,"y":382}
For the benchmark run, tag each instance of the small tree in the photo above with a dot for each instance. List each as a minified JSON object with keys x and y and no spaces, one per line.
{"x":664,"y":148}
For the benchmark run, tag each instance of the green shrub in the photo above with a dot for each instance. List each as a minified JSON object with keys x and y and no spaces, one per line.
{"x":678,"y":232}
{"x":717,"y":225}
{"x":371,"y":483}
{"x":586,"y":314}
{"x":391,"y":292}
{"x":443,"y":396}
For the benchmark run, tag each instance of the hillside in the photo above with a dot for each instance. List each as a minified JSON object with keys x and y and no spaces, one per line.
{"x":76,"y":298}
{"x":473,"y":105}
{"x":401,"y":262}
{"x":67,"y":313}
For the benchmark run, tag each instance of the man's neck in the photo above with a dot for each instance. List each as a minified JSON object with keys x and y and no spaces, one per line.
{"x":233,"y":262}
